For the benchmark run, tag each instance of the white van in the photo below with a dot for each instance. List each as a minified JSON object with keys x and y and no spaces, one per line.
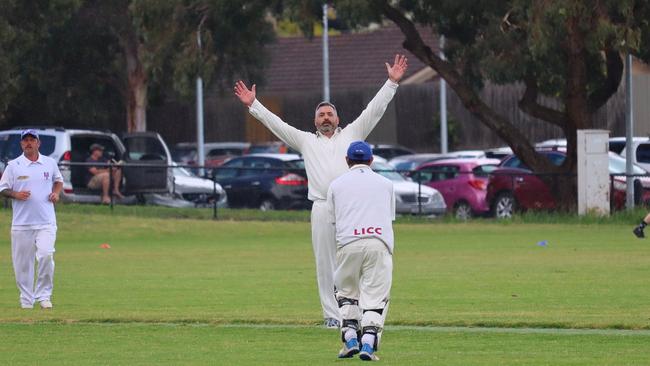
{"x":146,"y":149}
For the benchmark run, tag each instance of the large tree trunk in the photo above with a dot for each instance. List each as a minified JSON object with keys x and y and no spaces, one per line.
{"x":136,"y":106}
{"x":136,"y":93}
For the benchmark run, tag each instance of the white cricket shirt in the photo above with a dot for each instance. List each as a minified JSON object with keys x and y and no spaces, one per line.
{"x":325,"y":157}
{"x":361,"y":204}
{"x":38,"y":177}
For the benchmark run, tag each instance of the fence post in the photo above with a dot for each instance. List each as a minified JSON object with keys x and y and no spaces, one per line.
{"x":214,"y":194}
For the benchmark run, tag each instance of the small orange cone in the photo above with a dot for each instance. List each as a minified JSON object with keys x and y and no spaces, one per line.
{"x":105,"y":246}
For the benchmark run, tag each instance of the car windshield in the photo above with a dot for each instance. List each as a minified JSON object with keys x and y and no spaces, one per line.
{"x":10,"y":146}
{"x":387,"y":171}
{"x":180,"y":171}
{"x":183,"y":153}
{"x":295,"y":164}
{"x":484,"y":170}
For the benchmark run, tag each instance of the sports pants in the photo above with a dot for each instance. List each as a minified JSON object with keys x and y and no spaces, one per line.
{"x":364,"y":273}
{"x":323,"y":239}
{"x":27,"y":245}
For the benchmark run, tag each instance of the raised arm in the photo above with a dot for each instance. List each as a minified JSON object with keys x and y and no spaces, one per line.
{"x":288,"y":134}
{"x":368,"y":119}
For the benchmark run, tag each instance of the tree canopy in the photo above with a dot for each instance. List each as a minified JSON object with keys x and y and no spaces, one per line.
{"x":87,"y":62}
{"x":569,"y":50}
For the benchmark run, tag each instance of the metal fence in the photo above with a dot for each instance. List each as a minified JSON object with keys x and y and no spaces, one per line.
{"x":540,"y":186}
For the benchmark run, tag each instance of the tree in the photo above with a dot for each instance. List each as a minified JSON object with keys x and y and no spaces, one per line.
{"x":159,"y":44}
{"x":75,"y":62}
{"x":24,"y":27}
{"x":570,"y":50}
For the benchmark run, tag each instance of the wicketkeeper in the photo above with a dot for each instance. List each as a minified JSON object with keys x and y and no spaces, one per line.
{"x":362,"y":207}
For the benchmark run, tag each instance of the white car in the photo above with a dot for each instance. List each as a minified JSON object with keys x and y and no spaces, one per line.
{"x":407,"y":192}
{"x":200,"y":191}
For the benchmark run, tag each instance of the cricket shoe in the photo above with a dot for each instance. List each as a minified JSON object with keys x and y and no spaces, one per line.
{"x":46,"y":304}
{"x":26,"y":306}
{"x":332,"y":323}
{"x":368,"y":353}
{"x":350,"y":348}
{"x":638,"y":231}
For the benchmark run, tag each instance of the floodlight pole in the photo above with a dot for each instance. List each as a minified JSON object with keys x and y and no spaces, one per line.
{"x":200,"y":147}
{"x":444,"y":148}
{"x":326,"y":57}
{"x":629,"y":132}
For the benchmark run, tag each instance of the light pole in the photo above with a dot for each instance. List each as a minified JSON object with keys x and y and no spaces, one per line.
{"x":326,"y":57}
{"x":200,"y":147}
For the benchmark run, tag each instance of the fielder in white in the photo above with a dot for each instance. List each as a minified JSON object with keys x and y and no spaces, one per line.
{"x":33,"y":182}
{"x":361,"y":204}
{"x":324,"y":155}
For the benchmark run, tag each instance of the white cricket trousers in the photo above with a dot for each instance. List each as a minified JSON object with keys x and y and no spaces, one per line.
{"x":323,"y":239}
{"x":364,"y":273}
{"x":27,"y":245}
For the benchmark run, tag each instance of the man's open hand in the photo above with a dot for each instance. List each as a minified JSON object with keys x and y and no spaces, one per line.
{"x":398,"y":69}
{"x":245,"y":95}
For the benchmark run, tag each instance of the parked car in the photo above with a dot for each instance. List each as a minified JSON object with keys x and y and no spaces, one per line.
{"x":200,"y":191}
{"x":462,"y":183}
{"x":66,"y":146}
{"x":271,"y":147}
{"x":410,"y":197}
{"x":216,"y":153}
{"x":264,"y":181}
{"x":513,"y":186}
{"x":406,"y":163}
{"x":388,"y":151}
{"x":498,"y":152}
{"x":640,"y":154}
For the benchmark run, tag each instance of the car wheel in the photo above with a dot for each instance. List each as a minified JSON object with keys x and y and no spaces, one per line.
{"x":504,"y":206}
{"x":267,"y":204}
{"x":463,"y":211}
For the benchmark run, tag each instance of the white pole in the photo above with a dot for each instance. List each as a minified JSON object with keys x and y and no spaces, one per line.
{"x":200,"y":147}
{"x":326,"y":57}
{"x":629,"y":132}
{"x":443,"y":104}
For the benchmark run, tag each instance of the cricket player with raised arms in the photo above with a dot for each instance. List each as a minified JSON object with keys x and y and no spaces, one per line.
{"x":33,"y":182}
{"x":324,"y":153}
{"x":361,"y":205}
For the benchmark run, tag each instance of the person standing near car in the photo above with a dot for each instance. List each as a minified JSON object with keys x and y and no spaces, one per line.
{"x":33,"y":182}
{"x":361,"y":205}
{"x":324,"y":155}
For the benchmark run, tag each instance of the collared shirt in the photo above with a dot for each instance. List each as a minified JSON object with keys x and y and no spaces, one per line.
{"x":37,"y":177}
{"x":325,"y":157}
{"x":361,"y":204}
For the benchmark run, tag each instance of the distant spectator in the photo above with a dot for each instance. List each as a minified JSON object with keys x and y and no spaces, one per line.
{"x":99,"y":176}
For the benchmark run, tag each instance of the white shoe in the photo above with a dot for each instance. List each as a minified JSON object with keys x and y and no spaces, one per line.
{"x":46,"y":304}
{"x":26,"y":306}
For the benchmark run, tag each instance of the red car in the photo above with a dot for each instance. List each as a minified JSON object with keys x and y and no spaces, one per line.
{"x":462,"y":183}
{"x":513,"y":186}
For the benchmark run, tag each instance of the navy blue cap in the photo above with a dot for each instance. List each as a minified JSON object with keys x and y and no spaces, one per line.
{"x":29,"y":132}
{"x":360,"y":151}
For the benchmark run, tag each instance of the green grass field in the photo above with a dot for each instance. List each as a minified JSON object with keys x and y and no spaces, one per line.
{"x":231,"y":292}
